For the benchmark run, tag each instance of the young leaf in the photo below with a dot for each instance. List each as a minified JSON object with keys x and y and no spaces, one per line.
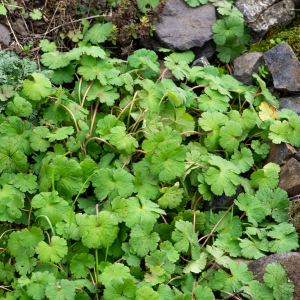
{"x":38,"y":89}
{"x":225,"y":178}
{"x":51,"y":205}
{"x":112,"y":183}
{"x":119,"y":289}
{"x":276,"y":278}
{"x":252,"y":207}
{"x":60,"y":134}
{"x":275,"y":203}
{"x":142,"y":240}
{"x":63,"y":291}
{"x":243,"y":159}
{"x":254,"y":248}
{"x":141,"y":211}
{"x":53,"y":252}
{"x":19,"y":107}
{"x":97,"y":231}
{"x":80,"y":263}
{"x":38,"y":283}
{"x":228,"y":136}
{"x":168,"y":161}
{"x":227,"y":29}
{"x":286,"y":238}
{"x":35,"y":14}
{"x":55,"y":60}
{"x":98,"y":33}
{"x":46,"y":46}
{"x":259,"y":291}
{"x":172,"y":197}
{"x":184,"y":236}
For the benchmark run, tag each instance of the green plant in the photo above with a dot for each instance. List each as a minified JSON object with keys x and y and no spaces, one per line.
{"x":230,"y":34}
{"x":103,"y":184}
{"x":262,"y":71}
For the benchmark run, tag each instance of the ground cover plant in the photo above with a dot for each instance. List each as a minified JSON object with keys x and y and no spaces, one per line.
{"x":105,"y":168}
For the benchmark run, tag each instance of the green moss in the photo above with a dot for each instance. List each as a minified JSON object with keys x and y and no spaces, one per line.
{"x":289,"y":34}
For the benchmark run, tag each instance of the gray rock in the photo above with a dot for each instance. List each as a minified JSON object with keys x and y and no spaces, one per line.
{"x":4,"y":35}
{"x":201,"y":62}
{"x":181,"y":27}
{"x":246,"y":65}
{"x":290,"y":260}
{"x":297,"y":155}
{"x":263,"y":15}
{"x":280,"y":153}
{"x":290,"y":102}
{"x":19,"y":27}
{"x":285,"y":67}
{"x":207,"y":50}
{"x":252,"y":9}
{"x":222,"y":201}
{"x":289,"y":177}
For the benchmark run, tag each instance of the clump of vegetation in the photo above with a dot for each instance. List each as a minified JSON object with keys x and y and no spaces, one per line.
{"x":289,"y":34}
{"x":104,"y":169}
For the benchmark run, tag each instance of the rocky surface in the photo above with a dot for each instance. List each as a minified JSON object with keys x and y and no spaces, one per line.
{"x":297,"y":156}
{"x":290,"y":260}
{"x":291,"y":102}
{"x":246,"y":65}
{"x":4,"y":35}
{"x":201,"y":62}
{"x":19,"y":27}
{"x":280,"y":153}
{"x":263,"y":15}
{"x":289,"y":177}
{"x":181,"y":27}
{"x":285,"y":67}
{"x":207,"y":50}
{"x":222,"y":201}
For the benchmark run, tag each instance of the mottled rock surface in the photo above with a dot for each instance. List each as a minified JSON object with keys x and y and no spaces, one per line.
{"x":181,"y":27}
{"x":263,"y":15}
{"x":201,"y":62}
{"x":280,"y":153}
{"x":246,"y":65}
{"x":19,"y":27}
{"x":290,"y":260}
{"x":285,"y":67}
{"x":289,"y":177}
{"x":4,"y":35}
{"x":290,"y":102}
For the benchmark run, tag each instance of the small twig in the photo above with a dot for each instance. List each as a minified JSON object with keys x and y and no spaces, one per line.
{"x":163,"y":218}
{"x":126,"y":161}
{"x":177,"y":277}
{"x":128,"y":104}
{"x":94,"y":116}
{"x":90,"y":275}
{"x":85,"y":94}
{"x":96,"y":138}
{"x":207,"y":272}
{"x":196,"y":132}
{"x":227,"y":211}
{"x":92,"y":17}
{"x":191,"y":162}
{"x":5,"y":288}
{"x":198,"y":86}
{"x":205,"y":237}
{"x":70,"y":113}
{"x":48,"y":238}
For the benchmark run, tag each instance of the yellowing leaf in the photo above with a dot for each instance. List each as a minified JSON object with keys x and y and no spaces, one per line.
{"x":267,"y":112}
